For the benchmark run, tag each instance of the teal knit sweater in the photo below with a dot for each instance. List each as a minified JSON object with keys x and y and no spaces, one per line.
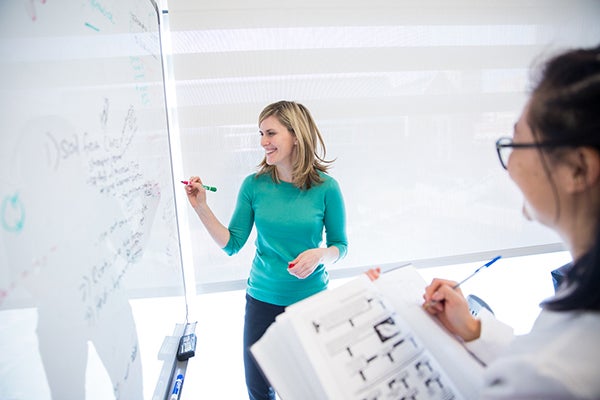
{"x":288,"y":221}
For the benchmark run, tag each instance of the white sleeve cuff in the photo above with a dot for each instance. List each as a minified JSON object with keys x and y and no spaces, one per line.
{"x":494,"y":338}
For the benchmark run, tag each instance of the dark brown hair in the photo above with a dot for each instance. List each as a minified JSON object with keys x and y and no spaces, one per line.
{"x":565,"y":109}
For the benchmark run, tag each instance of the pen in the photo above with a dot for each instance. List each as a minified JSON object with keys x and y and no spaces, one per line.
{"x":211,"y":188}
{"x":177,"y":387}
{"x":487,"y":264}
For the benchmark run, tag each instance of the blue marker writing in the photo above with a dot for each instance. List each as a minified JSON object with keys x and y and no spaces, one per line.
{"x":487,"y":264}
{"x":177,"y":387}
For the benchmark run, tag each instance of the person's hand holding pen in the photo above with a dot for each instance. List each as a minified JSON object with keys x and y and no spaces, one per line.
{"x":445,"y":300}
{"x":196,"y":192}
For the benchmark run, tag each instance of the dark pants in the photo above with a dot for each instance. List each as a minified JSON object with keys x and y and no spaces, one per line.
{"x":259,"y":315}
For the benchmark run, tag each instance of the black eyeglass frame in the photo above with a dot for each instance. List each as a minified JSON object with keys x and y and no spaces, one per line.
{"x":508,"y":143}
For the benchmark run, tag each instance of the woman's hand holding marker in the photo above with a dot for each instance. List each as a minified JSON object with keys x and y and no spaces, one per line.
{"x":195,"y":194}
{"x":209,"y":188}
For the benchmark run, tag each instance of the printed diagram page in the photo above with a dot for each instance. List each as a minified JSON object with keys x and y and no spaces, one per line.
{"x":404,"y":289}
{"x":361,"y":349}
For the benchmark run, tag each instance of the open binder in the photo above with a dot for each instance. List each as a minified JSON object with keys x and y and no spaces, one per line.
{"x":364,"y":341}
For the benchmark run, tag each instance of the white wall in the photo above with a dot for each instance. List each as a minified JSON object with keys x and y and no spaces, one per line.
{"x":410,"y":97}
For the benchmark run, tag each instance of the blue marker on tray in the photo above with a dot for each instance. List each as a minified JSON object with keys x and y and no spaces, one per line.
{"x":177,"y":387}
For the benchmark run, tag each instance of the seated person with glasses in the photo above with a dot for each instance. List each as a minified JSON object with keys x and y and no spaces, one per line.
{"x":554,"y":159}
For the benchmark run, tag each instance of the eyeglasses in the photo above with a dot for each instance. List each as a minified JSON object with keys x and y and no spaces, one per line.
{"x":505,"y":146}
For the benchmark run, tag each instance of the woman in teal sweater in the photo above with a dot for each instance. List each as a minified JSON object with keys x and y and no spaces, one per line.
{"x":292,"y":201}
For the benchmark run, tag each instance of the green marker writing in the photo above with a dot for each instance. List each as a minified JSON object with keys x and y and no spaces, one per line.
{"x":209,"y":188}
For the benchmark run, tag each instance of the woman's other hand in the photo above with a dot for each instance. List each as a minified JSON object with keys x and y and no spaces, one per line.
{"x":451,"y":308}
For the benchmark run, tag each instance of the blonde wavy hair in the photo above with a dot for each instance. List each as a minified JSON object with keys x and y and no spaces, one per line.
{"x":310,"y":155}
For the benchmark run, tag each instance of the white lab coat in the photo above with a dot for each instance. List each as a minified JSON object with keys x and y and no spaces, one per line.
{"x":558,"y":359}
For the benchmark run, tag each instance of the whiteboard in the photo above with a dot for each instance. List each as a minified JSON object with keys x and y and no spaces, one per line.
{"x":87,"y":213}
